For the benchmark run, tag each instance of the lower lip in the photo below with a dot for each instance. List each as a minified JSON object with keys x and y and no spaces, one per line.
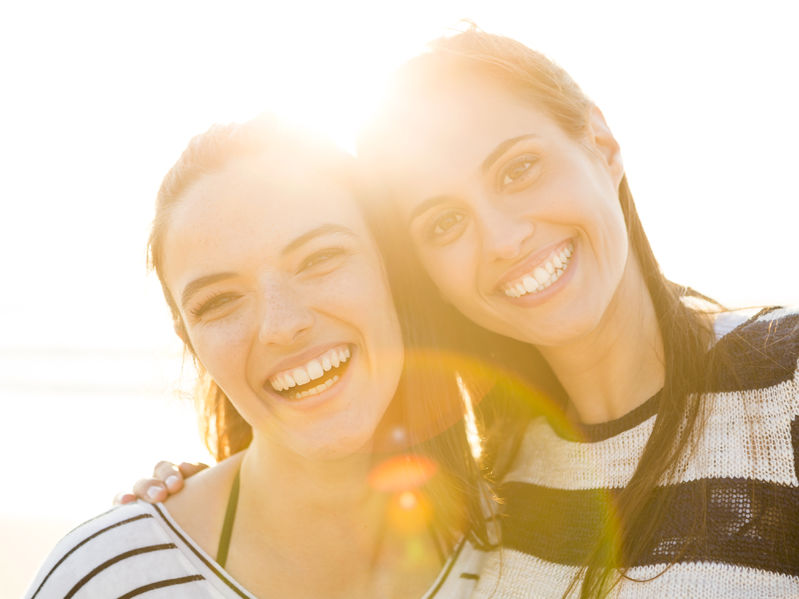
{"x":534,"y":299}
{"x":312,"y":401}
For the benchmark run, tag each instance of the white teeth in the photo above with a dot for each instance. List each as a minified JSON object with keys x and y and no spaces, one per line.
{"x":311,"y":370}
{"x":315,"y":369}
{"x":301,"y":376}
{"x":530,"y":284}
{"x":542,"y":276}
{"x":318,"y":389}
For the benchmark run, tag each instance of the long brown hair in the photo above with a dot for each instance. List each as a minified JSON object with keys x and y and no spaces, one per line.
{"x":429,"y":400}
{"x":686,"y":334}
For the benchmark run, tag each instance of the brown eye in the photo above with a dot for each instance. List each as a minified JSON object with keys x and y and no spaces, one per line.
{"x":445,"y":223}
{"x":517,"y":170}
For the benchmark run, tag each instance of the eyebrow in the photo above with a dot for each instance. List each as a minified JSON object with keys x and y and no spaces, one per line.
{"x":425,"y":205}
{"x":317,"y":232}
{"x":503,"y":147}
{"x":197,"y":284}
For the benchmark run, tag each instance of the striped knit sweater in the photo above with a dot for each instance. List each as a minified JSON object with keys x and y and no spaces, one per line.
{"x":737,"y":495}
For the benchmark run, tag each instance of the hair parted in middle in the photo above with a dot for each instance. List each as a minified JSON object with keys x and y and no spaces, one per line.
{"x":686,"y":333}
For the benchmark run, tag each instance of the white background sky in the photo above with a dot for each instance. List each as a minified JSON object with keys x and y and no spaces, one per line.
{"x":99,"y":99}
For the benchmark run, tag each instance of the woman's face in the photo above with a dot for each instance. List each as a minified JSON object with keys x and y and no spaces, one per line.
{"x":285,"y":303}
{"x":518,"y":224}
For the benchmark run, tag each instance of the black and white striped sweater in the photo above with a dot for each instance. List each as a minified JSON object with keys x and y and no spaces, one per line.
{"x":737,"y":494}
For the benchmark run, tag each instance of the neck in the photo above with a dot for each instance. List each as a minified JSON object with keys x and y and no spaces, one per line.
{"x":619,"y":364}
{"x":292,"y":489}
{"x":322,"y":521}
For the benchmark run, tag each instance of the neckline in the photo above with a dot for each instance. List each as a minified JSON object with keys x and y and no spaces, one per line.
{"x":601,"y":431}
{"x":227,"y":530}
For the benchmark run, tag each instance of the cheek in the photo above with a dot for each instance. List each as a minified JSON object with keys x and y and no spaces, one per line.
{"x":221,"y":348}
{"x":453,"y":268}
{"x":610,"y":233}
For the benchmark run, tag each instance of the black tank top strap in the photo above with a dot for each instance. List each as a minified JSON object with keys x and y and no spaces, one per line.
{"x":227,"y":525}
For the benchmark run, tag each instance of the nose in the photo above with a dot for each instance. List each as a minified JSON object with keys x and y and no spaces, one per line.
{"x":503,"y":232}
{"x":284,"y":316}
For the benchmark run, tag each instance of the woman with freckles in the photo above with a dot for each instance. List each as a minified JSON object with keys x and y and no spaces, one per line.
{"x":279,"y":293}
{"x":671,"y":469}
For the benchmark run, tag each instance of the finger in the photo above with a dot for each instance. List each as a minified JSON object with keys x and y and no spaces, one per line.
{"x":170,"y":475}
{"x":123,"y":498}
{"x":151,"y":490}
{"x":188,"y":469}
{"x":162,"y":468}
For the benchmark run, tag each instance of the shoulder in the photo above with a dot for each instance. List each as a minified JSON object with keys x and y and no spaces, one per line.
{"x":755,"y":348}
{"x":199,"y":508}
{"x":124,"y":549}
{"x":774,"y":323}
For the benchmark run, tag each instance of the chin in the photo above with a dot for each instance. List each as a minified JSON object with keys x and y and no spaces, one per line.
{"x":560,"y":328}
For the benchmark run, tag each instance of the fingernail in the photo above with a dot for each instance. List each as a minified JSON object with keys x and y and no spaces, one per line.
{"x":123,"y":498}
{"x":171,"y":481}
{"x":153,"y":493}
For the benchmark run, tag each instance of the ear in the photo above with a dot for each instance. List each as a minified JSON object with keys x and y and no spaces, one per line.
{"x":602,"y":140}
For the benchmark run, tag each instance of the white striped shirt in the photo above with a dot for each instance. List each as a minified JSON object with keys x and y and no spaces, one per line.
{"x":138,"y":550}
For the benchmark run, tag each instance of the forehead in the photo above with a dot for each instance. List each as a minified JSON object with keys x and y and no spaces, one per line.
{"x":447,"y":130}
{"x":251,"y":209}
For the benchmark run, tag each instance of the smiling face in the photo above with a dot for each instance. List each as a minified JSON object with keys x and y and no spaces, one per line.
{"x":518,"y":223}
{"x":285,"y":303}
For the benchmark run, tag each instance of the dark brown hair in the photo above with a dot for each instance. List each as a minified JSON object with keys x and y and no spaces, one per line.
{"x":686,"y":335}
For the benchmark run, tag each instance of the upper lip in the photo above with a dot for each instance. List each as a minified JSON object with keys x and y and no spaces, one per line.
{"x":302,"y":358}
{"x":529,"y":263}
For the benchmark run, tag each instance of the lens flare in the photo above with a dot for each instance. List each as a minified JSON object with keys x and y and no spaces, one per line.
{"x":442,"y":388}
{"x":472,"y":433}
{"x":402,"y":473}
{"x":410,"y":513}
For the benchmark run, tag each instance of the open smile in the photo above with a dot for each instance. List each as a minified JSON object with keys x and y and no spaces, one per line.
{"x":541,"y":276}
{"x":314,"y":376}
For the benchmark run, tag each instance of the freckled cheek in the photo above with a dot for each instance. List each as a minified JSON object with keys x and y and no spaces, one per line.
{"x":222,"y":347}
{"x":341,"y":293}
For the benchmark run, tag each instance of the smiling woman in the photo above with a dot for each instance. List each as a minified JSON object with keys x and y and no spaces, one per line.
{"x":263,"y":297}
{"x":512,"y":191}
{"x":278,"y":291}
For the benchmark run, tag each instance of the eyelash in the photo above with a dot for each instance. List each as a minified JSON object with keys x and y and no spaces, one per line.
{"x":212,"y":303}
{"x":222,"y":298}
{"x":433,"y":234}
{"x":320,"y":257}
{"x":527,"y":161}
